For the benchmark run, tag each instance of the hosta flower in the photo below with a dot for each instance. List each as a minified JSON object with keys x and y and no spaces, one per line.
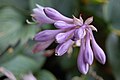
{"x":71,"y":32}
{"x":40,"y":17}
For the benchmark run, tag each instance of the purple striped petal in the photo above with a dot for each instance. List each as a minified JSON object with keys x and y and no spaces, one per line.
{"x":62,"y":37}
{"x":46,"y":35}
{"x":81,"y":19}
{"x":98,"y":52}
{"x":63,"y":25}
{"x":80,"y":33}
{"x":77,"y":21}
{"x":63,"y":48}
{"x":40,"y":16}
{"x":55,"y":15}
{"x":88,"y":51}
{"x":89,"y":20}
{"x":82,"y":65}
{"x":42,"y":46}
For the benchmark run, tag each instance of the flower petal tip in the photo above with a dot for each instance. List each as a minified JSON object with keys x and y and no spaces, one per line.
{"x":38,"y":6}
{"x":89,"y":20}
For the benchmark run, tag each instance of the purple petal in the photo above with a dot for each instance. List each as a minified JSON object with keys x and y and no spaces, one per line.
{"x":63,"y":25}
{"x":77,"y":21}
{"x":82,"y":65}
{"x":40,"y":16}
{"x":46,"y":35}
{"x":62,"y":37}
{"x":63,"y":48}
{"x":98,"y":52}
{"x":80,"y":33}
{"x":89,"y":20}
{"x":88,"y":51}
{"x":42,"y":46}
{"x":81,"y":19}
{"x":92,"y":27}
{"x":55,"y":15}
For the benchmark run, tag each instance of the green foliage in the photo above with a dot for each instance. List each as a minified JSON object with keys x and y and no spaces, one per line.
{"x":113,"y":49}
{"x":45,"y":75}
{"x":112,"y":13}
{"x":13,"y":28}
{"x":20,"y":65}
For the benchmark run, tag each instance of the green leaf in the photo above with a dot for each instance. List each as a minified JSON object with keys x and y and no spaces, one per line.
{"x":21,"y":5}
{"x":27,"y":32}
{"x":38,"y":57}
{"x":21,"y":65}
{"x":113,"y":52}
{"x":25,"y":51}
{"x":10,"y":22}
{"x":112,"y":12}
{"x":68,"y":62}
{"x":40,"y":2}
{"x":12,"y":28}
{"x":45,"y":75}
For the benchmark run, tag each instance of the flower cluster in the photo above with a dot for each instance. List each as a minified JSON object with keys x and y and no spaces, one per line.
{"x":70,"y":32}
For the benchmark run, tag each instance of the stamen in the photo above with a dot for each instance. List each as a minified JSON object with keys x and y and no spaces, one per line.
{"x":93,"y":28}
{"x":30,"y":22}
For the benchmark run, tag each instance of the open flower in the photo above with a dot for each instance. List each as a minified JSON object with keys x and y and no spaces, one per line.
{"x":71,"y":31}
{"x":40,"y":17}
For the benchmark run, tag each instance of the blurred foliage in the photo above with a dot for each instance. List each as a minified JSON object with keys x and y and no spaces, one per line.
{"x":113,"y":50}
{"x":16,"y":39}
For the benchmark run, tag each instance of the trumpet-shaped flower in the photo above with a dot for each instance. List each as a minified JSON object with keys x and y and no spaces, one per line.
{"x":71,"y":32}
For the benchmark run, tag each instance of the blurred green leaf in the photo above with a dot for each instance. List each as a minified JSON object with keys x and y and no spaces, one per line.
{"x":24,"y":50}
{"x":21,"y":5}
{"x":40,"y":2}
{"x":10,"y":22}
{"x":21,"y":65}
{"x":68,"y":62}
{"x":27,"y":32}
{"x":65,"y":8}
{"x":113,"y":52}
{"x":13,"y":28}
{"x":112,"y":12}
{"x":45,"y":75}
{"x":38,"y":57}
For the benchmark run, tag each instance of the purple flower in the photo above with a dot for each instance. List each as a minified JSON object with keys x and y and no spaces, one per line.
{"x":88,"y":50}
{"x":63,"y":25}
{"x":45,"y":39}
{"x":83,"y":66}
{"x":63,"y":37}
{"x":55,"y":15}
{"x":40,"y":17}
{"x":98,"y":52}
{"x":63,"y":47}
{"x":46,"y":35}
{"x":71,"y":32}
{"x":40,"y":46}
